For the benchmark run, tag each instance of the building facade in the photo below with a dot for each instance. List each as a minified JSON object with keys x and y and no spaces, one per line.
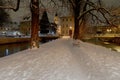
{"x":67,"y":25}
{"x":25,"y":27}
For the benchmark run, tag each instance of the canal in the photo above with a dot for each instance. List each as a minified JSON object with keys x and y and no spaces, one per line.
{"x":111,"y":46}
{"x":11,"y":48}
{"x":7,"y":49}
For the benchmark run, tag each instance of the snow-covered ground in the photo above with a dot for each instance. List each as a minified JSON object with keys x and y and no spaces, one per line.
{"x":62,"y":59}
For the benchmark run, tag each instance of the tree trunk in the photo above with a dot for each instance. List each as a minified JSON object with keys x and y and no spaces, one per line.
{"x":76,"y":29}
{"x":83,"y":29}
{"x":35,"y":24}
{"x":76,"y":21}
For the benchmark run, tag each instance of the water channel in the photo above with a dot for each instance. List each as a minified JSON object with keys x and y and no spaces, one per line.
{"x":7,"y":49}
{"x":111,"y":46}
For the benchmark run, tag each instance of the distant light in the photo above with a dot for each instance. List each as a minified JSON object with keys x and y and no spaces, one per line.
{"x":117,"y":48}
{"x":70,"y":27}
{"x":109,"y":30}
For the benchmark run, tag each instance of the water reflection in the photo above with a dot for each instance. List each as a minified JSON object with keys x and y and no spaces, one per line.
{"x":112,"y":46}
{"x":6,"y":52}
{"x":7,"y":49}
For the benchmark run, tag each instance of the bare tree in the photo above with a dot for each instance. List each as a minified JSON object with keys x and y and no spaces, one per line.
{"x":35,"y":24}
{"x":11,"y":7}
{"x":84,"y":11}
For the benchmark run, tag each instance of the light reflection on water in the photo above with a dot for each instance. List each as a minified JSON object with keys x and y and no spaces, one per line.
{"x":112,"y":46}
{"x":6,"y":52}
{"x":7,"y":49}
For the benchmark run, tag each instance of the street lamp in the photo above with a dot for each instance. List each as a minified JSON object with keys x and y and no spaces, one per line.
{"x":109,"y":30}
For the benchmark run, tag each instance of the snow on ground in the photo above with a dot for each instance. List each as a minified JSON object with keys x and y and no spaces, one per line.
{"x":62,"y":59}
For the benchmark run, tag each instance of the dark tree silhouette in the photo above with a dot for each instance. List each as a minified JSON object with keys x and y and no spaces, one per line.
{"x":35,"y":24}
{"x":44,"y":23}
{"x":4,"y":16}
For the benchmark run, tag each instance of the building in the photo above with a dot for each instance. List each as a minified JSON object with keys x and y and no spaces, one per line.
{"x":5,"y":28}
{"x":25,"y":27}
{"x":9,"y":27}
{"x":67,"y":25}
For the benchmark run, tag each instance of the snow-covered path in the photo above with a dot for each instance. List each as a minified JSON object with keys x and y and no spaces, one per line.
{"x":61,"y":60}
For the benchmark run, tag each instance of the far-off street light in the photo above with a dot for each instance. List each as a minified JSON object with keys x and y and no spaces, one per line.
{"x":109,"y":30}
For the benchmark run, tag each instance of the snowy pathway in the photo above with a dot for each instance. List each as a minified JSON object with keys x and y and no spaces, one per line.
{"x":61,"y":60}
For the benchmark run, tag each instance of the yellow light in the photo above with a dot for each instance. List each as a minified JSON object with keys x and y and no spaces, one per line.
{"x":70,"y":27}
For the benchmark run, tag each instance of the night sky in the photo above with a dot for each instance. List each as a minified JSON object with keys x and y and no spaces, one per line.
{"x":18,"y":16}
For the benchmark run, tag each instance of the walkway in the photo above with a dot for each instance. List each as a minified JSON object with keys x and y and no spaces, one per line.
{"x":62,"y":59}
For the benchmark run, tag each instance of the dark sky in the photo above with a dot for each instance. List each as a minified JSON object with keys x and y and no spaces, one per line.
{"x":112,"y":2}
{"x":16,"y":16}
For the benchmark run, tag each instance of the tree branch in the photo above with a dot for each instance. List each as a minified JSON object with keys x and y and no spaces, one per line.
{"x":10,"y":7}
{"x":85,"y":12}
{"x":72,"y":3}
{"x":17,"y":7}
{"x":6,"y":7}
{"x":104,"y":16}
{"x":93,"y":15}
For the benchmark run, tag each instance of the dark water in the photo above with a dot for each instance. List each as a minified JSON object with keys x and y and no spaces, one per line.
{"x":112,"y":46}
{"x":7,"y":49}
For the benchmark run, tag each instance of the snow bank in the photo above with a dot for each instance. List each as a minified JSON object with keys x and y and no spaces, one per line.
{"x":62,"y":60}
